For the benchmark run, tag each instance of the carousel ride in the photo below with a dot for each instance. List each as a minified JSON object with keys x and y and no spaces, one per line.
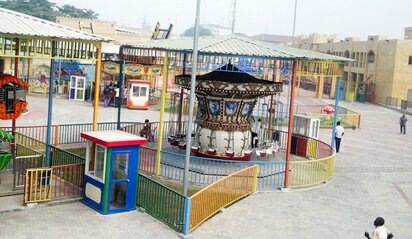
{"x":226,"y":99}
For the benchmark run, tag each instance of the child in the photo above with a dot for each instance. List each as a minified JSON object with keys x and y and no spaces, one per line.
{"x":380,"y":231}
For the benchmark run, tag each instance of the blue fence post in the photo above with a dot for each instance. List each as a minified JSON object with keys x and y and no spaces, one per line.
{"x":186,"y":220}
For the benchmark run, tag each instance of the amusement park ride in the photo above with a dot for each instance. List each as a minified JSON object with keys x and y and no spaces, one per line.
{"x":12,"y":105}
{"x":226,"y":98}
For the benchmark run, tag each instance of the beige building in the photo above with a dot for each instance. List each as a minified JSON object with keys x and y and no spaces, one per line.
{"x":106,"y":28}
{"x":382,"y":71}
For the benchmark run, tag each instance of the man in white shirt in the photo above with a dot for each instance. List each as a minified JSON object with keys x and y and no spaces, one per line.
{"x":340,"y":131}
{"x":255,"y":132}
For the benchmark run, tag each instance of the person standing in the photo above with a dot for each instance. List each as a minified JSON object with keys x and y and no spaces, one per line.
{"x":107,"y":94}
{"x":340,"y":131}
{"x":380,"y":231}
{"x":117,"y":97}
{"x":402,"y":123}
{"x":255,"y":132}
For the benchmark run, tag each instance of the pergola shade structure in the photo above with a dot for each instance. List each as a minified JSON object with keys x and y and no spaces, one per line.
{"x":263,"y":60}
{"x":26,"y":37}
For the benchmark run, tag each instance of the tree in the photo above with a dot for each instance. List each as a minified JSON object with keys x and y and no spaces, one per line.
{"x":47,"y":10}
{"x":71,"y":11}
{"x":190,"y":32}
{"x":37,"y":8}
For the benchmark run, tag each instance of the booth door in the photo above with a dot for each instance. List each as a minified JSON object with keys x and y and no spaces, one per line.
{"x":77,"y":88}
{"x":122,"y":193}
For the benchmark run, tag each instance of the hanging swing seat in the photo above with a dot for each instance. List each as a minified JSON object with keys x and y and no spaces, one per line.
{"x":230,"y":154}
{"x":195,"y":149}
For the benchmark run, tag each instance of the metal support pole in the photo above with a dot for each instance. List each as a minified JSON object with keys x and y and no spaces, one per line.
{"x":179,"y":119}
{"x":162,"y":110}
{"x":292,"y":100}
{"x":192,"y":101}
{"x":120,"y":84}
{"x":58,"y":78}
{"x":337,"y":96}
{"x":294,"y":22}
{"x":50,"y":108}
{"x":97,"y":85}
{"x":16,"y":72}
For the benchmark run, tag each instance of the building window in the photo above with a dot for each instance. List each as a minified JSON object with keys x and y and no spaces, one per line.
{"x":346,"y":55}
{"x":371,"y":57}
{"x":410,"y":60}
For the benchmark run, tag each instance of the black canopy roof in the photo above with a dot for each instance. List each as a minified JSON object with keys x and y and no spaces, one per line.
{"x":229,"y":73}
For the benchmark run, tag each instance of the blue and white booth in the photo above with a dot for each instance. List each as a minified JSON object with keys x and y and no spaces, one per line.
{"x":110,"y":181}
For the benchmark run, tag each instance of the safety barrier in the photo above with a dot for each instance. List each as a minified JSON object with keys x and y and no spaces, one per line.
{"x":161,"y":202}
{"x":208,"y":201}
{"x":147,"y":160}
{"x":30,"y":142}
{"x":344,"y":114}
{"x":67,"y":180}
{"x":66,"y":133}
{"x":37,"y":185}
{"x":26,"y":158}
{"x":204,"y":171}
{"x":62,"y":157}
{"x":169,"y":127}
{"x":312,"y":172}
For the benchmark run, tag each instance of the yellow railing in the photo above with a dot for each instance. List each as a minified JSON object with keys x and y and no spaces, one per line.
{"x":311,"y":172}
{"x":37,"y":186}
{"x":222,"y":193}
{"x":30,"y":142}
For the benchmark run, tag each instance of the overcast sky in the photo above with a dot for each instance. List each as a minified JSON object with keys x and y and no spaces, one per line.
{"x":344,"y":17}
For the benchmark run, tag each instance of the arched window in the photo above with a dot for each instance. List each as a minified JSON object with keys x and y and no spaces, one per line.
{"x":346,"y":55}
{"x":371,"y":57}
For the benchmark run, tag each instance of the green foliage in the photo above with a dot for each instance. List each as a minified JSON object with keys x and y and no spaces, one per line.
{"x":37,"y":8}
{"x":71,"y":11}
{"x":190,"y":32}
{"x":47,"y":10}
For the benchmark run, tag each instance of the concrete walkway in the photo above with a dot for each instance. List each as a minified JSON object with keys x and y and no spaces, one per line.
{"x":373,"y":178}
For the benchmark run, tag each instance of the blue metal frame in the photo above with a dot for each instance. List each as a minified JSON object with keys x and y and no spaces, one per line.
{"x":50,"y":108}
{"x":96,"y":206}
{"x":335,"y":114}
{"x":131,"y":180}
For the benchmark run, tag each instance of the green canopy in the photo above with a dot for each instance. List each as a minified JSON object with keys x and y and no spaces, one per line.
{"x":6,"y":136}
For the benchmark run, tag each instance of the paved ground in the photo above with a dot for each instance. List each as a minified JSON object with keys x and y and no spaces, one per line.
{"x":373,"y":178}
{"x":71,"y":112}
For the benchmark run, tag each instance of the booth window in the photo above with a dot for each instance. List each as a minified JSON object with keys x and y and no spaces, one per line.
{"x":121,"y":166}
{"x":139,"y":91}
{"x":97,"y":155}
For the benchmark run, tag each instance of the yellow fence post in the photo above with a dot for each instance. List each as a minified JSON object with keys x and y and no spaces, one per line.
{"x":162,"y":109}
{"x":255,"y":176}
{"x":56,"y":134}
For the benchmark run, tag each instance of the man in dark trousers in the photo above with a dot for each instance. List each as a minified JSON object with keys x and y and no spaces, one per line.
{"x":340,"y":131}
{"x":402,"y":123}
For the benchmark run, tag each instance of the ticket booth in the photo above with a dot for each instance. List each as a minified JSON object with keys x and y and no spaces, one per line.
{"x":306,"y":125}
{"x":138,"y":94}
{"x":110,"y":181}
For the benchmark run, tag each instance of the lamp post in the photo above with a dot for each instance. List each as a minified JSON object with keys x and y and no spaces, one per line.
{"x":191,"y":101}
